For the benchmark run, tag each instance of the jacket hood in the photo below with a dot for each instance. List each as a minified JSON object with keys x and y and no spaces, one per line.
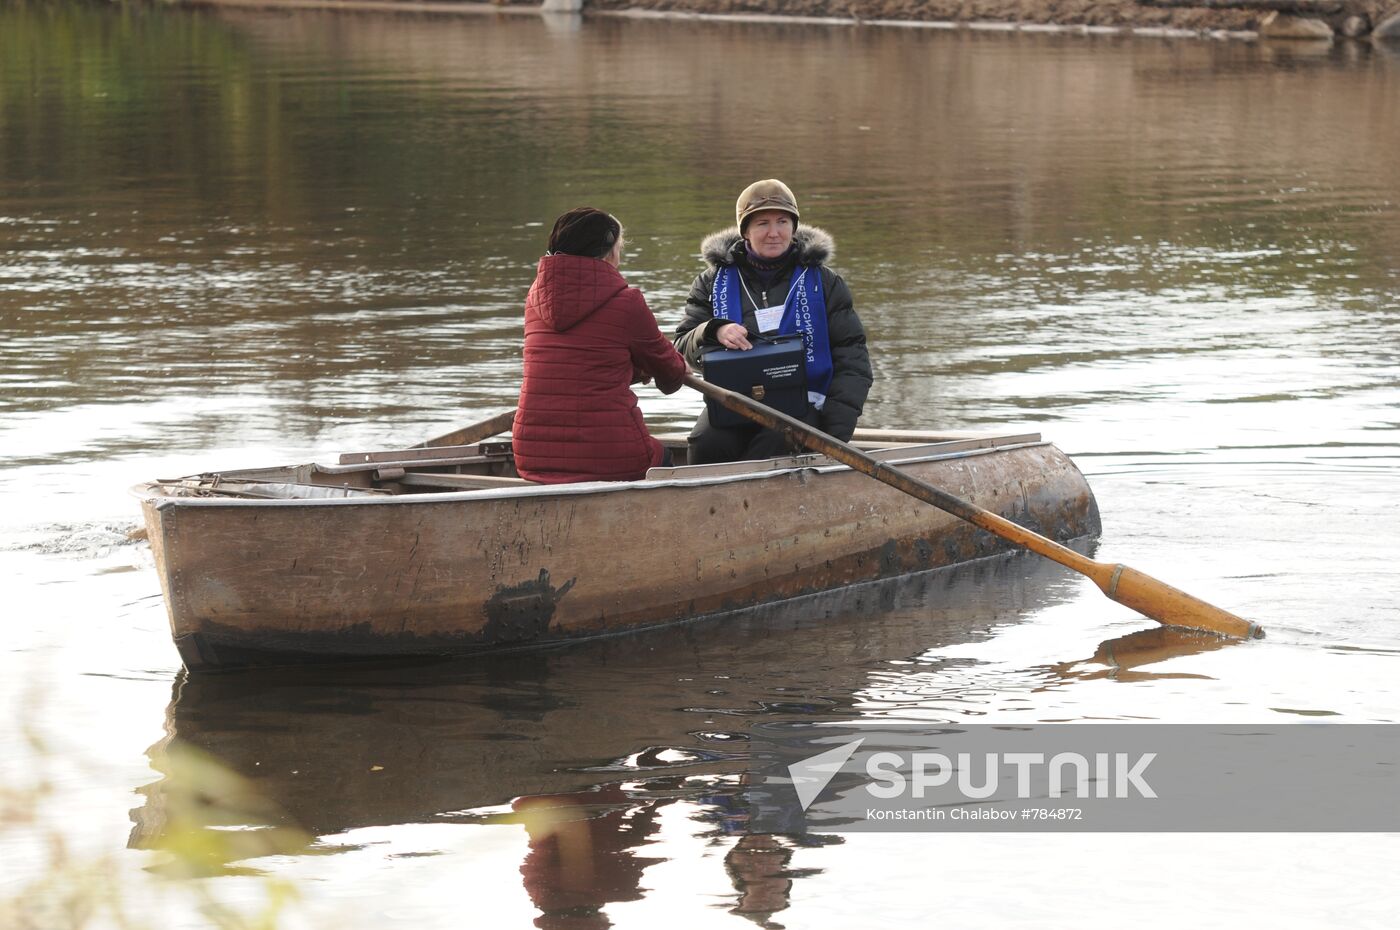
{"x":814,"y":246}
{"x":568,"y":288}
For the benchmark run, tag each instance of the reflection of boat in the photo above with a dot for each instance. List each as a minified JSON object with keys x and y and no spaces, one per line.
{"x":337,"y":747}
{"x":580,"y":743}
{"x":445,"y":551}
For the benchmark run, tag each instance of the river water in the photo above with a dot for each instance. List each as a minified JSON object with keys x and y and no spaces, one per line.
{"x":237,"y":237}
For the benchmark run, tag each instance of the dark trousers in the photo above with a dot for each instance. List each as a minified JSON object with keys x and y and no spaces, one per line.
{"x":710,"y":444}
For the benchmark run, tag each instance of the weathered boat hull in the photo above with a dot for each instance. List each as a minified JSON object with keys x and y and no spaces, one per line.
{"x":275,"y":581}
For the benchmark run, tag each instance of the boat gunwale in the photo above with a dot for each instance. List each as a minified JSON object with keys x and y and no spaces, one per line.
{"x":147,"y":491}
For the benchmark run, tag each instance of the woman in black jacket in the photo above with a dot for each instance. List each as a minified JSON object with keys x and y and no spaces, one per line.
{"x":768,"y":275}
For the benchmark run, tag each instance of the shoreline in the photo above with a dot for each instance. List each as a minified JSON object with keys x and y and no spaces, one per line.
{"x":471,"y":7}
{"x":977,"y":25}
{"x":1063,"y":17}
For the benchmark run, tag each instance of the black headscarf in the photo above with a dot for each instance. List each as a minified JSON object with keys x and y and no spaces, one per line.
{"x":584,"y":231}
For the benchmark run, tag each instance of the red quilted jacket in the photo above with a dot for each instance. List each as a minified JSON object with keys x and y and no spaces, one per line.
{"x":588,"y":336}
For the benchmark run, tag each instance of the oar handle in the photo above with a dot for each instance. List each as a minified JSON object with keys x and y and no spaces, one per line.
{"x":1127,"y":586}
{"x":811,"y":438}
{"x":476,"y":432}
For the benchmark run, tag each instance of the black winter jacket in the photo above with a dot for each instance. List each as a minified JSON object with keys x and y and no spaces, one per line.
{"x":850,"y":360}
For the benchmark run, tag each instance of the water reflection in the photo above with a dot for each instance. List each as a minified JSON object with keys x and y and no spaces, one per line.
{"x":584,"y":748}
{"x":1121,"y":657}
{"x":349,"y":206}
{"x":583,"y":853}
{"x":233,"y":231}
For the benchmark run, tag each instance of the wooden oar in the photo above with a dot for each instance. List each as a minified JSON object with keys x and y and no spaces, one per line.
{"x":1127,"y":586}
{"x":473,"y":433}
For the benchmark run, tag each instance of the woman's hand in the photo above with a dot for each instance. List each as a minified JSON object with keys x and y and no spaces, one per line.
{"x":733,"y":336}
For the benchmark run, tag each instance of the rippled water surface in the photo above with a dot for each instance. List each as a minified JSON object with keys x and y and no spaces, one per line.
{"x":245,"y":237}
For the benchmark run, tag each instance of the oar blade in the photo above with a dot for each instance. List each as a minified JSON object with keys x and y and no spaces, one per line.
{"x":1173,"y":607}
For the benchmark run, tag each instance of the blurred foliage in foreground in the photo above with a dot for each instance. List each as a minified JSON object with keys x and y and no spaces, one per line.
{"x":199,"y":831}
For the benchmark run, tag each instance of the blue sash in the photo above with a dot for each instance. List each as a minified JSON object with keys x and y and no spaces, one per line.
{"x":804,"y":312}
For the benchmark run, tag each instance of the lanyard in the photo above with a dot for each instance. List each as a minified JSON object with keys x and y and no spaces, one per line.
{"x":795,"y":282}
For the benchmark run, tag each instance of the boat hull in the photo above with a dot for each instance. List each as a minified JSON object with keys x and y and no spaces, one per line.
{"x":279,"y":581}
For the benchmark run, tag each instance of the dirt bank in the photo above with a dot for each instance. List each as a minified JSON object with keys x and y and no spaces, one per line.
{"x":1107,"y":13}
{"x":1353,"y":18}
{"x":1323,"y":19}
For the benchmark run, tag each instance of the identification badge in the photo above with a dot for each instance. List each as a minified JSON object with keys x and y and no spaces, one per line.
{"x":768,"y":318}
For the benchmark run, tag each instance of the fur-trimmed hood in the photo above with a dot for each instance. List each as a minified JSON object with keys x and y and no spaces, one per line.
{"x":814,"y":246}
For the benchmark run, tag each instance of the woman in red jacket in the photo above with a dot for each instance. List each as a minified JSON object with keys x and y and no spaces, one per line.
{"x":588,"y":336}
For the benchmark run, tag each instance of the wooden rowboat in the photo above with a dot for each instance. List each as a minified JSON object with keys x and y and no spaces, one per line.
{"x":445,"y":551}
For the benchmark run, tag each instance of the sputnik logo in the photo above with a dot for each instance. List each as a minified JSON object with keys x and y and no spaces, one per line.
{"x":811,"y":776}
